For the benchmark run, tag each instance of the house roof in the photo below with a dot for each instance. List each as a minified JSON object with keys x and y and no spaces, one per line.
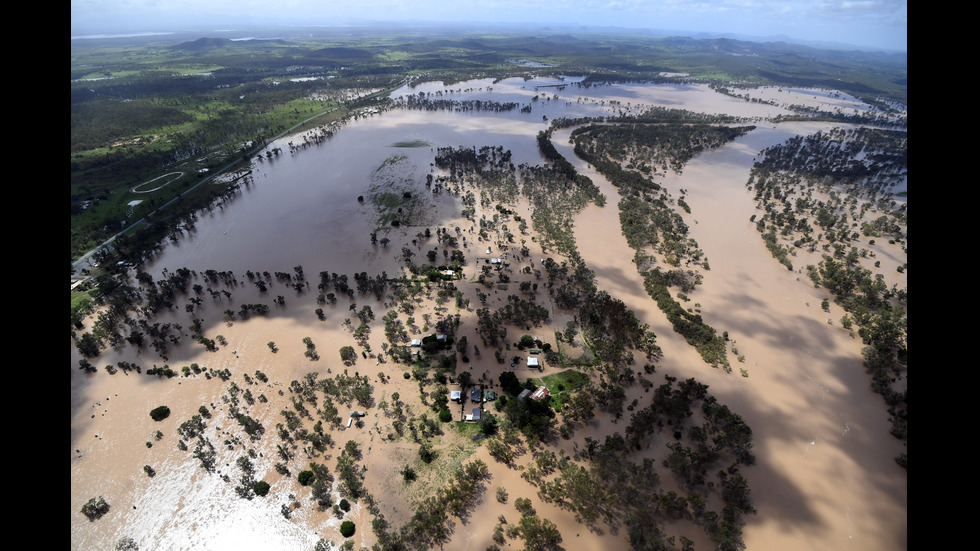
{"x":475,"y":394}
{"x":540,"y":394}
{"x":532,"y":362}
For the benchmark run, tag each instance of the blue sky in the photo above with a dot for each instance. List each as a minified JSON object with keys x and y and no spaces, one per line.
{"x":876,"y":23}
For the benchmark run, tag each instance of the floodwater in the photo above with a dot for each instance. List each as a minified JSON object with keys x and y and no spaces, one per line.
{"x":824,"y":478}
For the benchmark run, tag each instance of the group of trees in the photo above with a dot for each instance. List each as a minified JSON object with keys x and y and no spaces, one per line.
{"x":831,"y":192}
{"x":426,"y":103}
{"x":627,"y":153}
{"x":597,"y":484}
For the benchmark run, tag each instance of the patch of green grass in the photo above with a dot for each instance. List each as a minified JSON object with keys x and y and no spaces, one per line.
{"x":465,"y":429}
{"x":570,"y":379}
{"x":78,"y":298}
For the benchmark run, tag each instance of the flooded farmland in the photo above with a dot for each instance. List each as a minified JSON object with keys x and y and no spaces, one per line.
{"x":824,"y":476}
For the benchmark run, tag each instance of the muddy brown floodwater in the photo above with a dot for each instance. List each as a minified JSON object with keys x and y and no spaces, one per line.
{"x":824,"y":476}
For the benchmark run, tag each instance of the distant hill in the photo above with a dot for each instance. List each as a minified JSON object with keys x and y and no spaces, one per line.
{"x":203,"y":44}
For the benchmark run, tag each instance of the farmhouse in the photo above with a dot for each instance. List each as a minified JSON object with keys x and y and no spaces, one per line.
{"x":540,"y":394}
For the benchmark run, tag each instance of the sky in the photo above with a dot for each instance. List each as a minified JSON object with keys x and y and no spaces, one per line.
{"x":866,"y":23}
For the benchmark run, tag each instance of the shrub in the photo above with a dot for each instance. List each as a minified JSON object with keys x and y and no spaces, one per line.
{"x":347,"y":529}
{"x":345,"y":505}
{"x":445,"y":416}
{"x":160,"y":413}
{"x":408,"y":474}
{"x":261,"y":488}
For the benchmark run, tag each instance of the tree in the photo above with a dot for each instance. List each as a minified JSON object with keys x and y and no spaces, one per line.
{"x":570,"y":332}
{"x":347,"y":529}
{"x":320,"y":492}
{"x":305,"y":478}
{"x":488,"y":425}
{"x":160,"y":413}
{"x":510,"y":383}
{"x":524,"y":506}
{"x":348,"y":354}
{"x":89,"y":345}
{"x":426,"y":453}
{"x":539,"y":534}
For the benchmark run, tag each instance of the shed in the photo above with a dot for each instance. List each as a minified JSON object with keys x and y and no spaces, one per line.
{"x":416,"y":342}
{"x":524,"y":394}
